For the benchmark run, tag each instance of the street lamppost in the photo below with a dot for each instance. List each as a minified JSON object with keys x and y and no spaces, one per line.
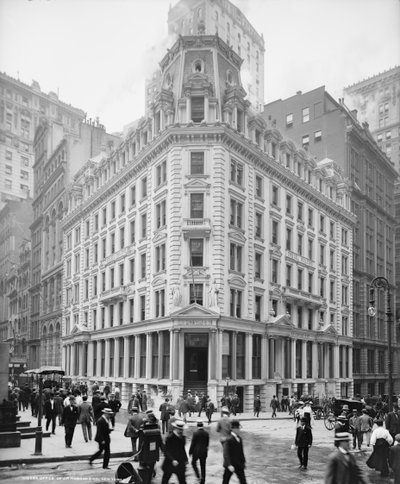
{"x":383,"y":283}
{"x":39,"y":432}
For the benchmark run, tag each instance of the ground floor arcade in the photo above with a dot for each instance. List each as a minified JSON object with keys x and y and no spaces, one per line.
{"x":199,"y":350}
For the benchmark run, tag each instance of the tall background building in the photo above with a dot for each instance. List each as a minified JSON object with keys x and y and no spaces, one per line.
{"x":326,"y":128}
{"x":21,"y":108}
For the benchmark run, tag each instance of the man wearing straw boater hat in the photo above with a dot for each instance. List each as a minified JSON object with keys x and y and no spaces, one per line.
{"x":104,"y":428}
{"x":342,"y":467}
{"x":175,"y":454}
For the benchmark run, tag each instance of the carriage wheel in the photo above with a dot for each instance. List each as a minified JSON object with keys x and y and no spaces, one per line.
{"x":330,"y":421}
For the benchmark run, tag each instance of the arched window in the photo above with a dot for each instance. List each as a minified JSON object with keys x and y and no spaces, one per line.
{"x":50,"y":348}
{"x":45,"y":347}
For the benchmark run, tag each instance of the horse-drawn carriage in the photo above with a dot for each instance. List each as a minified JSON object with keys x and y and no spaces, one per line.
{"x":335,"y":408}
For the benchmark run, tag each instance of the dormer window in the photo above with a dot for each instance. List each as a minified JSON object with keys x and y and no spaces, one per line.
{"x":229,"y":77}
{"x":198,"y":66}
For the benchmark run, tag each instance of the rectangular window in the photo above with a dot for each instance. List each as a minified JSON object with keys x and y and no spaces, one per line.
{"x":288,"y":204}
{"x":144,"y":187}
{"x":322,"y":223}
{"x":197,"y":205}
{"x":144,"y":225}
{"x":300,"y":279}
{"x":131,"y":310}
{"x":104,"y":216}
{"x":300,"y":244}
{"x":161,"y":216}
{"x":197,"y":109}
{"x":121,"y":274}
{"x":133,"y":195}
{"x":197,"y":163}
{"x":274,"y":271}
{"x":160,"y":303}
{"x":235,"y":303}
{"x":132,"y":227}
{"x":96,"y":252}
{"x":256,"y":358}
{"x":300,"y":211}
{"x":122,"y":203}
{"x":259,"y":225}
{"x":96,"y":222}
{"x":236,"y":213}
{"x":160,"y":258}
{"x":305,"y":115}
{"x":235,"y":258}
{"x":142,"y":308}
{"x":305,"y":141}
{"x":237,"y":172}
{"x":227,"y":348}
{"x":317,"y":136}
{"x":112,"y":240}
{"x":310,"y":282}
{"x":143,"y":266}
{"x":275,"y":196}
{"x":259,"y":186}
{"x":288,"y":238}
{"x":161,"y":173}
{"x":132,"y":270}
{"x":289,"y":120}
{"x":288,"y":275}
{"x":275,"y":232}
{"x":196,"y":252}
{"x":196,"y":294}
{"x":258,"y":265}
{"x":240,"y":355}
{"x":122,"y":237}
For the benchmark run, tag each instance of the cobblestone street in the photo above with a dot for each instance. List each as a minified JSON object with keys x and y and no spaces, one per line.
{"x":270,"y":460}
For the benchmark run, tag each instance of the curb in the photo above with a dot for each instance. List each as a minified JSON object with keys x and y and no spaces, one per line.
{"x":67,"y":458}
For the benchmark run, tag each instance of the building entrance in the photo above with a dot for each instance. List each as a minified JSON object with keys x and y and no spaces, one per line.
{"x":196,"y":362}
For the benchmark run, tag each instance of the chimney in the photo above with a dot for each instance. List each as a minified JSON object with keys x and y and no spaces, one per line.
{"x":299,"y":93}
{"x":354,"y":112}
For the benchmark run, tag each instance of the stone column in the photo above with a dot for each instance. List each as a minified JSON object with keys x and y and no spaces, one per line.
{"x":213,"y":355}
{"x":149,"y":355}
{"x":336,"y":361}
{"x":126,"y":357}
{"x":264,"y":357}
{"x":73,"y":359}
{"x":80,"y":358}
{"x":234,"y":354}
{"x":116,"y":358}
{"x":326,"y":359}
{"x":98,"y":364}
{"x":293,"y":350}
{"x":188,"y":108}
{"x":304,"y":357}
{"x":246,"y":129}
{"x":271,"y":358}
{"x":249,"y":357}
{"x":137,"y":357}
{"x":175,"y":354}
{"x":206,"y":110}
{"x":160,"y":354}
{"x":64,"y":362}
{"x":314,"y":364}
{"x":219,"y":355}
{"x":234,"y":120}
{"x":107,"y":359}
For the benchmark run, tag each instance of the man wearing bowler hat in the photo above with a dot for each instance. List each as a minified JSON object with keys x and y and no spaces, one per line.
{"x":104,"y":428}
{"x":342,"y":467}
{"x":199,"y":450}
{"x":175,"y":454}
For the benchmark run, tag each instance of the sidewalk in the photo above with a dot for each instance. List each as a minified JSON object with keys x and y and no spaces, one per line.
{"x":54,"y":450}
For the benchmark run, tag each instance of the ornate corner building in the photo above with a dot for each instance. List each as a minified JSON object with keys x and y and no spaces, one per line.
{"x":206,"y":250}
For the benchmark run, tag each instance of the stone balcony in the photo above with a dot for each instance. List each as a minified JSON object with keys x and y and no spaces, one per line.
{"x":114,"y":295}
{"x":199,"y":227}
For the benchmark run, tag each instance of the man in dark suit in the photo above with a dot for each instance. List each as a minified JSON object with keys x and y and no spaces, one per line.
{"x":104,"y":428}
{"x":392,"y":421}
{"x":50,"y":412}
{"x":234,"y":459}
{"x":342,"y":467}
{"x":199,"y":450}
{"x":58,"y":401}
{"x":69,"y":419}
{"x":86,"y":417}
{"x":165,"y":415}
{"x":394,"y":459}
{"x":175,"y":454}
{"x":303,"y":442}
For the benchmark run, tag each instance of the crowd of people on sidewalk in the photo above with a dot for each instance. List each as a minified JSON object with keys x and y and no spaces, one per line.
{"x":69,"y":407}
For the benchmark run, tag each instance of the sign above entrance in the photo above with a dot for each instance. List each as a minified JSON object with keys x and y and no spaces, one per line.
{"x":196,"y":340}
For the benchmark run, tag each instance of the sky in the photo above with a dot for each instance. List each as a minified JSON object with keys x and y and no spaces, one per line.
{"x":96,"y":54}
